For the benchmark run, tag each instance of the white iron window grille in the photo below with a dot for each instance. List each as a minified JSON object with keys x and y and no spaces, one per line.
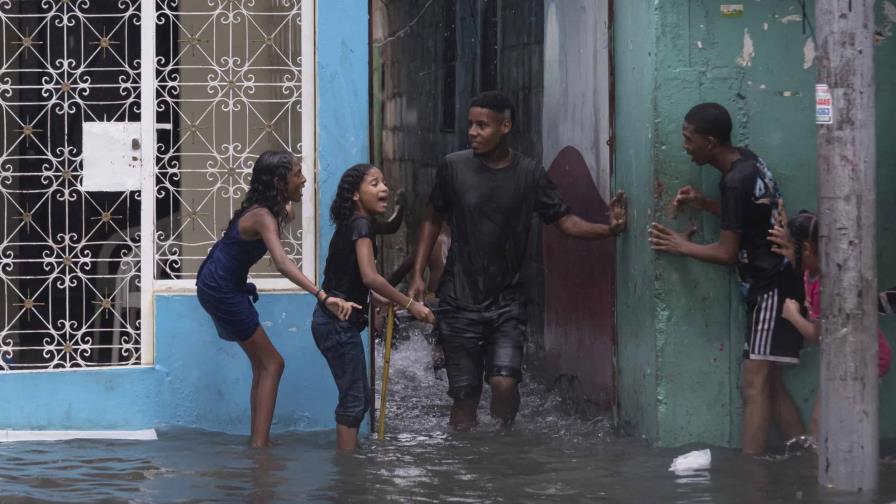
{"x":230,"y":86}
{"x":84,"y":175}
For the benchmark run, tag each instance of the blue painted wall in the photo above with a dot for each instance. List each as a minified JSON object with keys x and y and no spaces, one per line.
{"x":200,"y":380}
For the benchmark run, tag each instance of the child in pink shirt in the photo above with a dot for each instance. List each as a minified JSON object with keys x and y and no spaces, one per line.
{"x":800,"y":245}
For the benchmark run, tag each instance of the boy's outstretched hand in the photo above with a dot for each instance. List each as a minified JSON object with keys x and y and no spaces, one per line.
{"x":663,"y":239}
{"x":687,"y":195}
{"x":617,"y":213}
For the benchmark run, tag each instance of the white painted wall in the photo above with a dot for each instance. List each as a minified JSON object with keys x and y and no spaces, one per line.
{"x":576,"y":84}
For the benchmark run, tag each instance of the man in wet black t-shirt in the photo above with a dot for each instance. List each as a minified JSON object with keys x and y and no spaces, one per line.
{"x":488,"y":195}
{"x":747,"y":208}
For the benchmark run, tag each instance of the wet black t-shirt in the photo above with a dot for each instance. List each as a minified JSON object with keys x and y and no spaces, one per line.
{"x":489,"y":211}
{"x":749,"y":205}
{"x":342,"y":275}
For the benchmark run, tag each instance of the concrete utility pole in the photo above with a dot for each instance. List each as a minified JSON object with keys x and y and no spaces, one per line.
{"x":848,"y":448}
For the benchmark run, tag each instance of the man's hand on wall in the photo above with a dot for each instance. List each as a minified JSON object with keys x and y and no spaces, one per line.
{"x":618,"y":213}
{"x":663,"y":239}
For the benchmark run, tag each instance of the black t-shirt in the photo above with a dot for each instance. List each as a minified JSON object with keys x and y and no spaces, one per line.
{"x":342,"y":275}
{"x":489,"y":211}
{"x":749,"y":205}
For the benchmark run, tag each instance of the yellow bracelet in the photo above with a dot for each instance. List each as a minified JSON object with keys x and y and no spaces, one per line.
{"x":408,"y":306}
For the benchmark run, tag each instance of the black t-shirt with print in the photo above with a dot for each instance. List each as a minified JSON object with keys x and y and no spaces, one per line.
{"x":749,"y":205}
{"x":342,"y":275}
{"x":490,"y":213}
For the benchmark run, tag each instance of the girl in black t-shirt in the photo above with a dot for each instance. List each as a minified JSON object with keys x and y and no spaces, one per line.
{"x":350,"y":273}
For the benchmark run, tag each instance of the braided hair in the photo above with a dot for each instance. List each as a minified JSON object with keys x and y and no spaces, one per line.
{"x":803,"y":228}
{"x":267,"y":185}
{"x":343,"y":206}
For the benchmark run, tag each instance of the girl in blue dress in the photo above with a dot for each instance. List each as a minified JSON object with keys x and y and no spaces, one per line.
{"x":222,"y":286}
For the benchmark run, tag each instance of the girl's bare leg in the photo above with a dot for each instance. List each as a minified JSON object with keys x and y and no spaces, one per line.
{"x":346,"y":437}
{"x":267,"y":368}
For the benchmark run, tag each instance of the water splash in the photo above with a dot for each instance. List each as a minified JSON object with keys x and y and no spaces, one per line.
{"x":795,"y":447}
{"x":419,"y":405}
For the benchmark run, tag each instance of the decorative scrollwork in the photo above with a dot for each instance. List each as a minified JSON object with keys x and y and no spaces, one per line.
{"x":67,"y":245}
{"x":230,"y":106}
{"x":228,"y":86}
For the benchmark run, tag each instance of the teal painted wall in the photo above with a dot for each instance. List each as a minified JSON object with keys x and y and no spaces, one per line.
{"x":200,"y":380}
{"x":635,"y":56}
{"x":681,"y":322}
{"x":885,"y":80}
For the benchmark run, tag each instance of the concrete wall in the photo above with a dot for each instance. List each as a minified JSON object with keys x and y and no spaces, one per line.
{"x":200,"y":380}
{"x":681,"y":323}
{"x":412,"y":139}
{"x":634,"y":29}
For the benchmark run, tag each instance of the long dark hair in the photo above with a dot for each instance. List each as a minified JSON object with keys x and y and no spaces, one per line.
{"x":343,"y":206}
{"x":268,"y":183}
{"x":803,"y":228}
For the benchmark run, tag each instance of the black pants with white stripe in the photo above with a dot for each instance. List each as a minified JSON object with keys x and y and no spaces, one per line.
{"x":769,"y":336}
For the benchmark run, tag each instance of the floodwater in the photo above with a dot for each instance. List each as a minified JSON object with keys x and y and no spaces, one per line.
{"x":549,"y":456}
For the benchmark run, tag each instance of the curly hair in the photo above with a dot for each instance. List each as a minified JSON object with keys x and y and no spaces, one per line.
{"x":268,"y":183}
{"x":343,"y":206}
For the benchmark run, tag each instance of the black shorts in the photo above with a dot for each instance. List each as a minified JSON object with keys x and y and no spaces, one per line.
{"x":770,"y":337}
{"x":479,"y":345}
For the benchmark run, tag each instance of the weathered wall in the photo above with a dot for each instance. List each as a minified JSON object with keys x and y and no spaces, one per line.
{"x":669,"y":57}
{"x":199,"y":380}
{"x":412,"y":139}
{"x":576,"y":84}
{"x":634,"y":43}
{"x":885,"y":81}
{"x":577,"y":349}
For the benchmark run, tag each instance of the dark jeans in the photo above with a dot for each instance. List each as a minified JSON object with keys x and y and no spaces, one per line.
{"x":340,"y":343}
{"x":479,"y":345}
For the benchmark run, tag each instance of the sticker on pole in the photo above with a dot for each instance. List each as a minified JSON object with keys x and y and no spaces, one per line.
{"x":824,"y":105}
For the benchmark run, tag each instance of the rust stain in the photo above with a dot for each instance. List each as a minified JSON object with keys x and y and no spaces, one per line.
{"x":658,"y":189}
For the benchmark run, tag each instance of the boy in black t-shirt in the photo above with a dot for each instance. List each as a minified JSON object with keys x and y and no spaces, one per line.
{"x":488,"y":195}
{"x":748,"y":209}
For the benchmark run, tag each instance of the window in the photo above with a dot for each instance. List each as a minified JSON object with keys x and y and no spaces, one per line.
{"x":104,"y":204}
{"x":229,"y":87}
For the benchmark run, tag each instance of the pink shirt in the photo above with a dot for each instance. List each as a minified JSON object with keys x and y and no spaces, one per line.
{"x":813,"y":302}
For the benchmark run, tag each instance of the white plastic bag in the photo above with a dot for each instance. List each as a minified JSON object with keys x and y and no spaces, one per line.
{"x":698,"y":460}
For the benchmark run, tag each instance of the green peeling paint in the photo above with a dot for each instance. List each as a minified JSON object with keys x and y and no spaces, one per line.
{"x":681,"y":322}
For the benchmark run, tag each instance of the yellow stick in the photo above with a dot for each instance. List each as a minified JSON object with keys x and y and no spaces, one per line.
{"x":387,"y":355}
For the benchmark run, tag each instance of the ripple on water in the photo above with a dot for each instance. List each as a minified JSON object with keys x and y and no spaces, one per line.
{"x":551,"y":455}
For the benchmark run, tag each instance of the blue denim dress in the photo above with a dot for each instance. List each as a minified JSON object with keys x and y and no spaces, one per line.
{"x":222,"y":286}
